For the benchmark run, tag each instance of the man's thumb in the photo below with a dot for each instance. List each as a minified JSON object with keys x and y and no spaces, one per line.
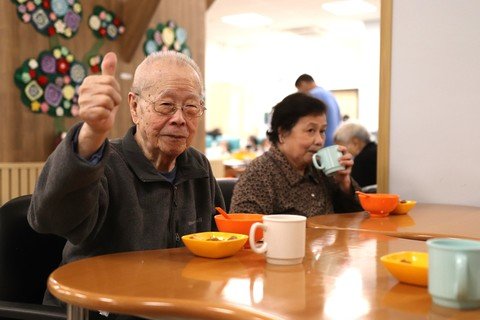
{"x":109,"y":64}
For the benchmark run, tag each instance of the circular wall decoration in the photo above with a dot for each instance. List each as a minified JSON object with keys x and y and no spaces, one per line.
{"x":51,"y":17}
{"x":166,"y":37}
{"x":104,"y":24}
{"x":49,"y":84}
{"x":95,"y":63}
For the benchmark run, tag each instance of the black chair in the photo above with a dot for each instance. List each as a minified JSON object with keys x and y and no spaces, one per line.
{"x":227,"y":185}
{"x":26,"y":260}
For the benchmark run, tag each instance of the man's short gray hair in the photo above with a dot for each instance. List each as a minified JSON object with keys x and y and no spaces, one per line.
{"x":347,"y":131}
{"x":168,"y":56}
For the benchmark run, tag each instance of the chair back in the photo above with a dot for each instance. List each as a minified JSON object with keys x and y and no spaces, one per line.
{"x":370,"y":189}
{"x":26,"y":257}
{"x":227,"y":185}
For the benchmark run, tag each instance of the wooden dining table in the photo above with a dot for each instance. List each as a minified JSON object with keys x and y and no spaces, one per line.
{"x":424,"y":221}
{"x":341,"y":277}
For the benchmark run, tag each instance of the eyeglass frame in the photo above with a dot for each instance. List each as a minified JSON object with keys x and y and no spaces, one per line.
{"x":174,"y":109}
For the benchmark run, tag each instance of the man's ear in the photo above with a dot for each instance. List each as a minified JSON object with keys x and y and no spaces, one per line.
{"x":133,"y":105}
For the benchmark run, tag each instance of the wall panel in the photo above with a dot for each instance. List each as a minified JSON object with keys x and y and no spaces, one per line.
{"x":25,"y":136}
{"x":434,"y":131}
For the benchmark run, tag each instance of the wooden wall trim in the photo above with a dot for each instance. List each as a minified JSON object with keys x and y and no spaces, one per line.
{"x":137,"y":15}
{"x":209,"y":3}
{"x":383,"y":157}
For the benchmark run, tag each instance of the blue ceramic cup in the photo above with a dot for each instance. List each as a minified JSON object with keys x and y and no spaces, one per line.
{"x":454,"y":272}
{"x":326,"y":159}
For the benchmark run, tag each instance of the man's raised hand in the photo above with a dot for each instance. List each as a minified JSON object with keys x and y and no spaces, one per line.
{"x":99,"y":99}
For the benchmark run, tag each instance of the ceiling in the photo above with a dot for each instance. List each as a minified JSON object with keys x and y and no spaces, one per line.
{"x":299,"y":17}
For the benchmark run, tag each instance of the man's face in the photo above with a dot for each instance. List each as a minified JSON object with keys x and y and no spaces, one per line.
{"x":162,"y":135}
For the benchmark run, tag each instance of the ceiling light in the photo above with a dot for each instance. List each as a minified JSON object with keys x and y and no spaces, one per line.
{"x":306,"y":31}
{"x":247,"y":20}
{"x":349,"y":7}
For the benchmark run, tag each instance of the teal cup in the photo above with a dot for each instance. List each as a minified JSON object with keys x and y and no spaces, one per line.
{"x":454,"y":272}
{"x":326,"y":159}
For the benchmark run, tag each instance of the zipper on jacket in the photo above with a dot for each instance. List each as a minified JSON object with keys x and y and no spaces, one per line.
{"x":174,"y":223}
{"x":172,"y":228}
{"x":175,"y":196}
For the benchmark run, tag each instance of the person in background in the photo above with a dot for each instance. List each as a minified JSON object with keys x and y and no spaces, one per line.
{"x":356,"y":139}
{"x":143,"y":191}
{"x":252,"y":144}
{"x":283,"y":179}
{"x":215,"y":133}
{"x":306,"y":84}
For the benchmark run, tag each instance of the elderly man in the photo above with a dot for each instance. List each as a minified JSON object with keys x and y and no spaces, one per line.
{"x":356,"y":139}
{"x":143,"y":191}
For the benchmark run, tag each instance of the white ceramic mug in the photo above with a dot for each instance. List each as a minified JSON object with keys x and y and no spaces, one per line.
{"x":283,"y":238}
{"x":454,"y":273}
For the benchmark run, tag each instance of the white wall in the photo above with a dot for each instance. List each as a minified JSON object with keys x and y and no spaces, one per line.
{"x":245,"y":81}
{"x":435,"y":101}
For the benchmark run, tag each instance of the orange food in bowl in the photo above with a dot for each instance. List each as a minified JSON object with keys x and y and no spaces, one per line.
{"x":240,"y":223}
{"x":378,"y":204}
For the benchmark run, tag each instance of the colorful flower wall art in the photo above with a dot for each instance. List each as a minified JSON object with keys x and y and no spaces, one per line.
{"x":51,"y":17}
{"x":95,"y":62}
{"x":49,"y":84}
{"x":104,"y":24}
{"x":166,"y":37}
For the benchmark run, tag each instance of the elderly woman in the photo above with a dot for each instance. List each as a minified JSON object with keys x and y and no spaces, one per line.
{"x":356,"y":139}
{"x":283,"y":180}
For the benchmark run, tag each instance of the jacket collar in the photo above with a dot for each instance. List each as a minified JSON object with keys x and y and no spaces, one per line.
{"x":188,"y":166}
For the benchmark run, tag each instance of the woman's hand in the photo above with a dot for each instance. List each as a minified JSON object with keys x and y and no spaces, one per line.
{"x":343,"y":177}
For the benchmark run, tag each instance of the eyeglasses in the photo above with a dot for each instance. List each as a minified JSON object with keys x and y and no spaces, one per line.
{"x":169,"y":108}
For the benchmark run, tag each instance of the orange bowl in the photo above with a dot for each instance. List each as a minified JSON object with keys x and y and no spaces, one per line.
{"x":378,"y":204}
{"x":240,"y":223}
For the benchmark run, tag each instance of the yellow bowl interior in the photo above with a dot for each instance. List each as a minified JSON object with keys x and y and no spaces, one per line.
{"x":214,"y":244}
{"x":408,"y":266}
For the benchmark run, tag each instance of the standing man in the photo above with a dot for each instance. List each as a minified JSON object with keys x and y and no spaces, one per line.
{"x":306,"y":84}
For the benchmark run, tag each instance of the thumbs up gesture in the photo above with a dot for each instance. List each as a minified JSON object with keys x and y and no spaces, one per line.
{"x":99,"y":99}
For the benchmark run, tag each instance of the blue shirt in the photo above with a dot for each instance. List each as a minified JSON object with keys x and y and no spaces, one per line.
{"x":333,"y":112}
{"x":96,"y":157}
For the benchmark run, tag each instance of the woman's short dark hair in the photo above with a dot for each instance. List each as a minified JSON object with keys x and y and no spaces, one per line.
{"x":287,"y":113}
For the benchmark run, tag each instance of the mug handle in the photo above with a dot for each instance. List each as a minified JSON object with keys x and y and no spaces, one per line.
{"x":251,"y":238}
{"x":460,"y":288}
{"x":315,"y":163}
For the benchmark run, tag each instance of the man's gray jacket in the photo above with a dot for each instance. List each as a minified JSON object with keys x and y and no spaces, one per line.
{"x":122,"y":203}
